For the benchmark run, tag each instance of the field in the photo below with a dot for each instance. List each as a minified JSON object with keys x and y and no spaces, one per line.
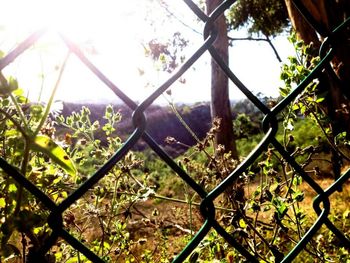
{"x":142,"y":211}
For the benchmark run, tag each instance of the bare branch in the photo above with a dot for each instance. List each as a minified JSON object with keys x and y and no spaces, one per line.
{"x":267,"y":39}
{"x":171,"y":14}
{"x":274,"y":49}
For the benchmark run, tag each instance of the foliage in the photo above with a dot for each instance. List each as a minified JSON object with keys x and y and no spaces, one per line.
{"x":274,"y":203}
{"x":275,"y":213}
{"x":266,"y":17}
{"x":267,"y":209}
{"x":58,"y":164}
{"x":309,"y":103}
{"x":27,"y":142}
{"x":168,"y":54}
{"x":244,"y":127}
{"x":298,"y":67}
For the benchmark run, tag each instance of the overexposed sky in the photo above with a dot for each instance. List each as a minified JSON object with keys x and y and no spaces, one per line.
{"x":112,"y":34}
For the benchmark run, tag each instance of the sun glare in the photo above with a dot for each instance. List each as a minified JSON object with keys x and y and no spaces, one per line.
{"x":76,"y":17}
{"x":112,"y":32}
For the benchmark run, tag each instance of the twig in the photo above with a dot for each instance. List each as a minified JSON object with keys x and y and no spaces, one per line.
{"x":18,"y":126}
{"x":163,"y":5}
{"x":4,"y":83}
{"x":48,"y":106}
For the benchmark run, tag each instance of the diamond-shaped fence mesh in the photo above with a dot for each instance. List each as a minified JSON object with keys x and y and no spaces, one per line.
{"x":321,"y":203}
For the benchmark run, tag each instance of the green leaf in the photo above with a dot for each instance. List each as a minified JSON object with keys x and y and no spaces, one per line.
{"x":58,"y":256}
{"x":284,"y":91}
{"x":106,"y":245}
{"x":72,"y":260}
{"x":280,"y":206}
{"x":297,"y":180}
{"x":295,"y":107}
{"x":8,"y":86}
{"x":18,"y":92}
{"x":300,"y":68}
{"x":298,"y":196}
{"x":13,"y":84}
{"x":282,"y":210}
{"x":320,"y":99}
{"x":242,"y":224}
{"x":12,"y":188}
{"x":46,"y":145}
{"x":2,"y":202}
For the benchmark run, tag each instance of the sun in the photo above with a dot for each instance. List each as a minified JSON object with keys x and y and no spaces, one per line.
{"x":110,"y":28}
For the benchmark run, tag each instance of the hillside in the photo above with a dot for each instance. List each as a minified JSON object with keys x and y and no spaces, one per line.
{"x":161,"y":122}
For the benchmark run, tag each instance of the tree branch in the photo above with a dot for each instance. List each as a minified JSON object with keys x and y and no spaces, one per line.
{"x":267,"y":39}
{"x":274,"y":49}
{"x":171,"y":14}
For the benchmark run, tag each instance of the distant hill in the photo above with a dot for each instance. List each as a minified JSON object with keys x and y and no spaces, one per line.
{"x":161,"y":122}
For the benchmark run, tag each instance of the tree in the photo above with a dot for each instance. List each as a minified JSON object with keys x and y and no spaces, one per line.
{"x":220,"y":103}
{"x":270,"y":17}
{"x":236,"y":17}
{"x":167,"y":53}
{"x":266,"y":17}
{"x":327,"y":15}
{"x":324,"y":16}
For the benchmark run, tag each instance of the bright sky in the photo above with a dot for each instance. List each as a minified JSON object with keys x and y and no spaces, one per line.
{"x":111,"y":33}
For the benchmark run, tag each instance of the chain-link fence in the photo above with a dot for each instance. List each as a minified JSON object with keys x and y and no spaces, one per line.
{"x":321,"y":203}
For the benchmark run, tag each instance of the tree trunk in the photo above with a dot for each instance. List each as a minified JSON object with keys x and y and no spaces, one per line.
{"x":220,"y":108}
{"x":329,"y":15}
{"x":220,"y":103}
{"x":301,"y":26}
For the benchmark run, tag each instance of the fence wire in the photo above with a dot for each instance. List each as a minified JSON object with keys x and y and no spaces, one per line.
{"x":321,"y":203}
